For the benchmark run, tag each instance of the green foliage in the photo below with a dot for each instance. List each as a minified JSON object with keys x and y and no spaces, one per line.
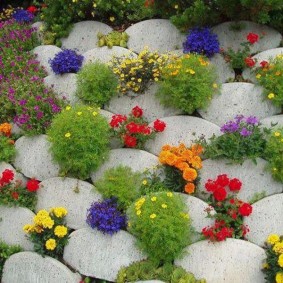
{"x":161,"y":225}
{"x":5,"y":252}
{"x":97,"y":84}
{"x":270,"y":78}
{"x":122,"y":183}
{"x":7,"y":149}
{"x":147,"y":270}
{"x":274,"y":154}
{"x":79,"y":139}
{"x":113,"y":38}
{"x":187,"y":83}
{"x":257,"y":196}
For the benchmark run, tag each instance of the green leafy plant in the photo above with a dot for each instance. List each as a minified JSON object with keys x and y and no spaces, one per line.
{"x":5,"y":252}
{"x":79,"y":139}
{"x":122,"y":183}
{"x":147,"y":270}
{"x":161,"y":225}
{"x":187,"y":83}
{"x":113,"y":38}
{"x":273,"y":267}
{"x":97,"y":84}
{"x":49,"y":232}
{"x":269,"y":76}
{"x":242,"y":139}
{"x":274,"y":152}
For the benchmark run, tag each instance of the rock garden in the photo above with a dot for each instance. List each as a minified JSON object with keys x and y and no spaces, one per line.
{"x":141,"y":141}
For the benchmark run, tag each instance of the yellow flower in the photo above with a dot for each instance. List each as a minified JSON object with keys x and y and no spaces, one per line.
{"x":94,"y":5}
{"x":184,"y":215}
{"x":276,"y":134}
{"x":40,"y":216}
{"x":265,"y":265}
{"x":67,"y":135}
{"x":94,"y":113}
{"x":139,"y":80}
{"x":278,"y":248}
{"x":60,"y":231}
{"x":144,"y":182}
{"x":278,"y":73}
{"x":156,"y":79}
{"x":176,"y":6}
{"x":169,"y":195}
{"x":215,"y":85}
{"x":47,"y":222}
{"x":68,"y":108}
{"x":271,"y":95}
{"x":153,"y":198}
{"x":28,"y":228}
{"x":112,"y":19}
{"x":51,"y":243}
{"x":272,"y":239}
{"x":138,"y":212}
{"x":258,"y":76}
{"x":59,"y":211}
{"x":192,"y":72}
{"x":152,"y":216}
{"x":280,"y":260}
{"x":279,"y":277}
{"x":163,"y":205}
{"x":79,"y":113}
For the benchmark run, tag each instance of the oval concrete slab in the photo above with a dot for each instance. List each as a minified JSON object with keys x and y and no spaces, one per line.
{"x":266,"y":219}
{"x":230,"y":261}
{"x":238,"y":99}
{"x":101,"y":256}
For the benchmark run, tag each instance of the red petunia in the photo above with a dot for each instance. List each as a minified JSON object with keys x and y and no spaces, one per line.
{"x":210,"y":185}
{"x":264,"y":64}
{"x":245,"y":209}
{"x":7,"y":176}
{"x":130,"y":141}
{"x":252,"y":37}
{"x":117,"y":120}
{"x":222,"y":180}
{"x":159,"y":126}
{"x":32,"y":185}
{"x":137,"y":111}
{"x":15,"y":195}
{"x":250,"y":62}
{"x":220,"y":194}
{"x":235,"y":184}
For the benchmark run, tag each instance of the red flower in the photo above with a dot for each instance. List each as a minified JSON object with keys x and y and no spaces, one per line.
{"x":133,"y":128}
{"x":32,"y":9}
{"x":159,"y":126}
{"x":235,"y":185}
{"x":252,"y":37}
{"x":220,"y":194}
{"x":222,"y":180}
{"x":250,"y":62}
{"x":144,"y":129}
{"x":117,"y":120}
{"x":7,"y":176}
{"x":32,"y":185}
{"x":15,"y":195}
{"x":245,"y":209}
{"x":130,"y":141}
{"x":224,"y":233}
{"x":137,"y":111}
{"x":264,"y":64}
{"x":210,"y":185}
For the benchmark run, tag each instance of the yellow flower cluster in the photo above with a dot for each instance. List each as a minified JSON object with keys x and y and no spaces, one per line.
{"x":185,"y":159}
{"x":43,"y":219}
{"x":138,"y":205}
{"x":7,"y":13}
{"x":50,"y":244}
{"x":135,"y":73}
{"x":59,"y":211}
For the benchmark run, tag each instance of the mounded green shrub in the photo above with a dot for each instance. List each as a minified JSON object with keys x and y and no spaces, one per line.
{"x":79,"y":139}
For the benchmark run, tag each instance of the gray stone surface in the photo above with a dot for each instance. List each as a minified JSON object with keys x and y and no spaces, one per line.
{"x":181,"y":129}
{"x":29,"y":267}
{"x":45,"y":53}
{"x":229,"y":261}
{"x":83,"y":36}
{"x":277,"y":119}
{"x":159,"y":35}
{"x":138,"y":160}
{"x":64,"y":86}
{"x":105,"y":54}
{"x":236,"y":99}
{"x":254,"y":177}
{"x":33,"y":158}
{"x":231,"y":38}
{"x":152,"y":109}
{"x":262,"y":56}
{"x":75,"y":195}
{"x":39,"y":27}
{"x":149,"y":281}
{"x":12,"y":222}
{"x":17,"y":175}
{"x":97,"y":255}
{"x":265,"y":219}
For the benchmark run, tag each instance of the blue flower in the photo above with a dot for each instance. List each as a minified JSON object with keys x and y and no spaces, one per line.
{"x":23,"y":16}
{"x":105,"y":216}
{"x":201,"y":41}
{"x":66,"y":61}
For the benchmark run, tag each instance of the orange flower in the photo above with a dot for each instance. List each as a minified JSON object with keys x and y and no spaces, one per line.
{"x":163,"y":156}
{"x":190,"y":174}
{"x":6,"y":129}
{"x":182,"y":165}
{"x":197,"y":149}
{"x":166,"y":147}
{"x":190,"y":188}
{"x":181,"y":149}
{"x":196,"y":162}
{"x":171,"y":159}
{"x":187,"y":155}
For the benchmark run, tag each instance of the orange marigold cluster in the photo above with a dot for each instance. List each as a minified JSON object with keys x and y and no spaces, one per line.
{"x":5,"y":129}
{"x":185,"y":159}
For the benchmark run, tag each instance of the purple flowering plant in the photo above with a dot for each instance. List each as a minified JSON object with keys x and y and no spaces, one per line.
{"x":201,"y":41}
{"x":105,"y":216}
{"x":242,"y":139}
{"x":66,"y":61}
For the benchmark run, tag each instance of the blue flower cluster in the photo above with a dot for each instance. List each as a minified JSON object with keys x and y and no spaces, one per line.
{"x":202,"y":41}
{"x":106,"y":217}
{"x":66,"y":61}
{"x":22,"y":16}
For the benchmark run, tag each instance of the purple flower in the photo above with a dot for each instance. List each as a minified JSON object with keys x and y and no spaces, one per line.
{"x":23,"y":16}
{"x":39,"y":115}
{"x":245,"y":133}
{"x":230,"y":127}
{"x":252,"y":120}
{"x":239,"y":118}
{"x":22,"y":102}
{"x":36,"y":107}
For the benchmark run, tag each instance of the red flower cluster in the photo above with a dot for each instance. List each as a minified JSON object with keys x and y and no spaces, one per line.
{"x":252,"y":37}
{"x":134,"y":130}
{"x":264,"y":64}
{"x":229,"y":210}
{"x":250,"y":62}
{"x":32,"y":9}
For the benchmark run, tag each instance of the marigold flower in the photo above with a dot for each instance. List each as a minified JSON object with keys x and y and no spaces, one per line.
{"x":170,"y":159}
{"x":279,"y":277}
{"x":50,"y":244}
{"x":60,"y":231}
{"x":6,"y":129}
{"x":59,"y":211}
{"x":280,"y":260}
{"x":278,"y":248}
{"x":190,"y":188}
{"x":190,"y":174}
